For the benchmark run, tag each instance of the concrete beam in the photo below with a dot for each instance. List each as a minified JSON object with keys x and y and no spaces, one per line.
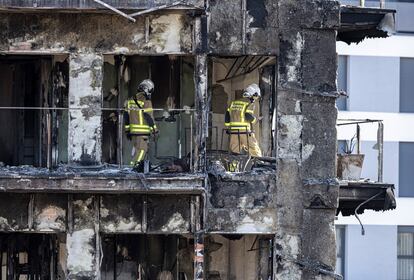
{"x":191,"y":184}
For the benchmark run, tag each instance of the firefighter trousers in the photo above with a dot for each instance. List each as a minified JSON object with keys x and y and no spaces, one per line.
{"x":245,"y":143}
{"x":140,"y":148}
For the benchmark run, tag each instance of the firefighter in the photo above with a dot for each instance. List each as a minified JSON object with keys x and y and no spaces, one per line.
{"x":239,"y":120}
{"x":139,"y":122}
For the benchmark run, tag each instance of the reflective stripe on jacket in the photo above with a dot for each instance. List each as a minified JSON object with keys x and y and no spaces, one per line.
{"x":239,"y":116}
{"x":137,"y":123}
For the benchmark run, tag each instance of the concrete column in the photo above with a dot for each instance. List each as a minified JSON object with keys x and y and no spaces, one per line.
{"x":82,"y":241}
{"x":85,"y":98}
{"x":202,"y":107}
{"x":307,"y":191}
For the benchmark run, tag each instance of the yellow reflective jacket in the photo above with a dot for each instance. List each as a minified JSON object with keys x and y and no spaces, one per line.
{"x":240,"y":116}
{"x":138,"y":117}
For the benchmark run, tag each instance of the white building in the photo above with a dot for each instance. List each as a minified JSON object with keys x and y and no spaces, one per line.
{"x":378,"y":75}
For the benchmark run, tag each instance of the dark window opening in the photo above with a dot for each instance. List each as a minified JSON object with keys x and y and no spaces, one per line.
{"x":29,"y":256}
{"x":172,"y":103}
{"x":146,"y":257}
{"x":31,"y":133}
{"x":242,"y":139}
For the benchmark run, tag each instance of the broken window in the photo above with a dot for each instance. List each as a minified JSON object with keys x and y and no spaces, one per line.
{"x":173,"y":110}
{"x":32,"y":134}
{"x":242,"y":123}
{"x":30,"y":256}
{"x":129,"y":256}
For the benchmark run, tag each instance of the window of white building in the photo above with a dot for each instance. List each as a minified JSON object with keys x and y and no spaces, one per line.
{"x":405,"y":253}
{"x":342,"y":81}
{"x":340,"y":250}
{"x":406,"y":161}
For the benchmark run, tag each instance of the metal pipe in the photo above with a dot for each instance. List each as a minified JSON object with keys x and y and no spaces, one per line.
{"x":239,"y":75}
{"x":191,"y":142}
{"x":358,"y":136}
{"x":243,"y":8}
{"x":94,"y":109}
{"x":231,"y":68}
{"x":359,"y":206}
{"x":120,"y":139}
{"x":49,"y":140}
{"x":30,"y":212}
{"x":147,"y":32}
{"x":239,"y":66}
{"x":380,"y":144}
{"x":115,"y":10}
{"x":161,"y":7}
{"x":362,"y":3}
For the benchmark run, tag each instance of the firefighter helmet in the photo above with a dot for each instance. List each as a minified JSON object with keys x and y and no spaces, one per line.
{"x":252,"y":91}
{"x":147,"y":87}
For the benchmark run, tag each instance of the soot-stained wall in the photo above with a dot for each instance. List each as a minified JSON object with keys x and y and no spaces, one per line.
{"x":298,"y":202}
{"x":307,"y":191}
{"x":61,"y":33}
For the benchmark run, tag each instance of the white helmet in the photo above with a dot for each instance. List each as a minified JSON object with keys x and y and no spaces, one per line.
{"x":252,"y":91}
{"x":146,"y":86}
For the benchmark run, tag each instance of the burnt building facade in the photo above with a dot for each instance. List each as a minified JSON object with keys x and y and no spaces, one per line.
{"x":72,"y":208}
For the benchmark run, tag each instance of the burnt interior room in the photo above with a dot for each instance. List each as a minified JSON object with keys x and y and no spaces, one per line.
{"x":229,"y":76}
{"x":129,"y":256}
{"x":30,"y":133}
{"x":173,"y":77}
{"x":139,"y":256}
{"x":29,"y":256}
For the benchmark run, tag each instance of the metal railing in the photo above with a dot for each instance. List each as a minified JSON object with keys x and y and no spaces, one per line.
{"x":380,"y":140}
{"x":381,"y":3}
{"x":49,"y":117}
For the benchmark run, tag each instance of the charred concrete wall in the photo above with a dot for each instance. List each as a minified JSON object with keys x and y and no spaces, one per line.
{"x":242,"y":203}
{"x":307,"y":191}
{"x":75,"y":33}
{"x":297,"y":204}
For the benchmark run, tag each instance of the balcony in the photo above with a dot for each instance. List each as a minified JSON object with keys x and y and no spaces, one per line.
{"x":358,"y":194}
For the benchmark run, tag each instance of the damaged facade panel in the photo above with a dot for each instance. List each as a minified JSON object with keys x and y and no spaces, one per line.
{"x":359,"y":23}
{"x":261,"y":27}
{"x":79,"y":4}
{"x":18,"y":219}
{"x":170,"y":33}
{"x":251,"y":28}
{"x":50,"y":213}
{"x":242,"y":204}
{"x":121,"y":213}
{"x":168,"y":214}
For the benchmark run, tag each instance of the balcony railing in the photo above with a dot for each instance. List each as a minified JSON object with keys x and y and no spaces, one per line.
{"x":46,"y":123}
{"x":381,"y":3}
{"x":380,"y":140}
